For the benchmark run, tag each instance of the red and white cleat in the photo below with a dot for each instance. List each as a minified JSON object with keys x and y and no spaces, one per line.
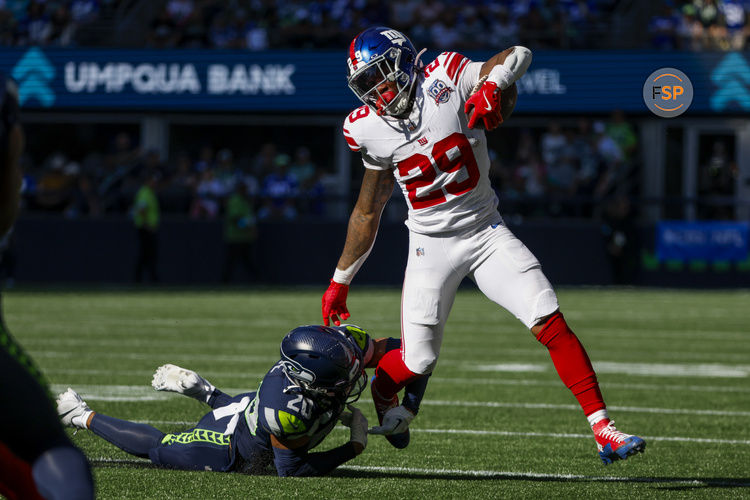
{"x":613,"y":444}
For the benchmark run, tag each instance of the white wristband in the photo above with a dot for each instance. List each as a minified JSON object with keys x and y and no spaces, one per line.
{"x":501,"y":76}
{"x":343,"y":277}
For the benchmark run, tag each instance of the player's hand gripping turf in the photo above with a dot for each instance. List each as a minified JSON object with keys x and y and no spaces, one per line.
{"x":173,"y":378}
{"x":334,"y":303}
{"x":485,"y":104}
{"x":395,"y":421}
{"x":357,"y":423}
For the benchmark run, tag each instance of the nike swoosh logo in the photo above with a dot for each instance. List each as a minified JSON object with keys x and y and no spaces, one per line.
{"x":489,"y":106}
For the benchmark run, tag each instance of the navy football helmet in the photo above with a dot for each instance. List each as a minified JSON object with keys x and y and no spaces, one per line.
{"x":378,"y":56}
{"x":323,"y":363}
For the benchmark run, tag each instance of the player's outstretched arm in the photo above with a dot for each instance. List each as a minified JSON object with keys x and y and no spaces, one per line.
{"x":172,"y":378}
{"x":377,"y":186}
{"x":291,"y":458}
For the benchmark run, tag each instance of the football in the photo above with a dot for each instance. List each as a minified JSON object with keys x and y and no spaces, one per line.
{"x":508,"y":99}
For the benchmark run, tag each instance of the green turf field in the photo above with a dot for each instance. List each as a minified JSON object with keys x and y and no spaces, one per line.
{"x":496,"y":421}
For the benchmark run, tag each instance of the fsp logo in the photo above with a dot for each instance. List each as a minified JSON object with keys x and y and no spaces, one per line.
{"x":668,"y":92}
{"x":394,"y":36}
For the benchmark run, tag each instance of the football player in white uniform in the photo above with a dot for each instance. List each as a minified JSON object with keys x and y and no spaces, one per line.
{"x":421,"y":126}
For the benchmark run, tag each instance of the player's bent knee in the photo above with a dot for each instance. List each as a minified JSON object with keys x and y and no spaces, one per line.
{"x":421,"y":366}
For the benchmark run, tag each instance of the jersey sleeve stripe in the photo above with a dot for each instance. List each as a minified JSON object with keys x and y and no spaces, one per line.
{"x":352,"y":143}
{"x":453,"y":66}
{"x":461,"y":69}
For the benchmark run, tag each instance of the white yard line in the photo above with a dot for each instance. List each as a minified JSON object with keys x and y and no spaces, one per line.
{"x":146,"y":393}
{"x":692,"y":370}
{"x":609,"y":385}
{"x":547,"y":406}
{"x":490,"y":474}
{"x":479,"y":432}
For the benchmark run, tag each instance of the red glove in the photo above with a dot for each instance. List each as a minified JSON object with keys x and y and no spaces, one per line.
{"x":485,"y":104}
{"x":334,"y":303}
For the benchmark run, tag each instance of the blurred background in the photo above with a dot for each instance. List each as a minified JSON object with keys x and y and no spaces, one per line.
{"x":199,"y":141}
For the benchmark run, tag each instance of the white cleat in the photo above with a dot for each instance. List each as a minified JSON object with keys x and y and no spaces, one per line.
{"x":73,"y":411}
{"x":173,"y":378}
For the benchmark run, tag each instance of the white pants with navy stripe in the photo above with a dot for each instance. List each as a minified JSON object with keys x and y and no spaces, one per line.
{"x":503,"y":268}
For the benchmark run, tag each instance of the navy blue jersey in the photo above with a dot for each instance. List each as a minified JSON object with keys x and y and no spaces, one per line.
{"x":280,"y":409}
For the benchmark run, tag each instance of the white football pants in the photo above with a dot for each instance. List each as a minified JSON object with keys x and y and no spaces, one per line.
{"x":503,"y":268}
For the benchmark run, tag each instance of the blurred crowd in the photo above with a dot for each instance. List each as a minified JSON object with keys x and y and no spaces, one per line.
{"x":701,"y":25}
{"x":48,"y":22}
{"x":264,"y":24}
{"x":271,"y":24}
{"x":568,"y":171}
{"x":279,"y":185}
{"x":436,"y":24}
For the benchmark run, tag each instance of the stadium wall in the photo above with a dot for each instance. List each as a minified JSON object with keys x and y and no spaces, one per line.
{"x":103,"y":251}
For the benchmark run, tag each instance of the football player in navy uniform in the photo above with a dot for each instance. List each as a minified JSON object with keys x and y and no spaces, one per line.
{"x":36,"y":456}
{"x":299,"y":401}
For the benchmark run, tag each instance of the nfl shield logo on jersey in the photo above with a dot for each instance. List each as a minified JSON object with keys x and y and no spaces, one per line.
{"x":440,"y":92}
{"x":420,"y":252}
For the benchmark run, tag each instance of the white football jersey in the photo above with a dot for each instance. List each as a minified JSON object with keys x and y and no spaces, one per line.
{"x":441,"y":165}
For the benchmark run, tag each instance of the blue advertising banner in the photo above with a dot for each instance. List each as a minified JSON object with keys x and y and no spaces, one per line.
{"x":315,"y":81}
{"x":711,"y":241}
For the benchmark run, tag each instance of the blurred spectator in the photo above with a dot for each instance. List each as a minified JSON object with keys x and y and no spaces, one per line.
{"x":61,"y":27}
{"x":180,"y":10}
{"x":163,"y":31}
{"x":620,"y":236}
{"x":279,"y":190}
{"x":503,"y":31}
{"x":302,"y":168}
{"x":35,"y":27}
{"x":717,"y":178}
{"x":735,"y":19}
{"x":663,"y":29}
{"x":623,"y":134}
{"x":55,"y":186}
{"x":84,"y":200}
{"x":553,"y":142}
{"x":611,"y":158}
{"x":207,"y":196}
{"x":146,"y":220}
{"x":240,"y":234}
{"x":177,"y":191}
{"x":84,"y":11}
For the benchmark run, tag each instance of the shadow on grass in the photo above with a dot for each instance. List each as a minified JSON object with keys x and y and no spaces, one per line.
{"x":670,"y":483}
{"x":684,"y":483}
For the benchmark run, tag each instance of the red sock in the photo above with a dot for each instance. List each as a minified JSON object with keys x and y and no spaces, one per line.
{"x":572,"y":363}
{"x":392,"y":375}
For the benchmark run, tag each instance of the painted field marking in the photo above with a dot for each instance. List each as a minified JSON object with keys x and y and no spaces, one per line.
{"x":657,"y":369}
{"x":547,"y":406}
{"x":146,"y":393}
{"x":612,"y":385}
{"x":491,"y":474}
{"x":479,"y":432}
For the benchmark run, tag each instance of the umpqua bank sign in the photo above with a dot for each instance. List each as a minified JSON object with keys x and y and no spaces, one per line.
{"x":174,"y":79}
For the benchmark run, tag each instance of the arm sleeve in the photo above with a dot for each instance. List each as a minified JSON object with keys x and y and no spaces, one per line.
{"x":218,"y":399}
{"x":468,"y":78}
{"x":301,"y":463}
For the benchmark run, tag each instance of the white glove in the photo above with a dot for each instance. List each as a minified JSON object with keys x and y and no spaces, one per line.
{"x":172,"y":378}
{"x":357,"y":423}
{"x":395,"y":421}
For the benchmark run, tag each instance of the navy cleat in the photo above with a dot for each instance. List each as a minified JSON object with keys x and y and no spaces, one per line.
{"x":613,"y":444}
{"x":382,"y":405}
